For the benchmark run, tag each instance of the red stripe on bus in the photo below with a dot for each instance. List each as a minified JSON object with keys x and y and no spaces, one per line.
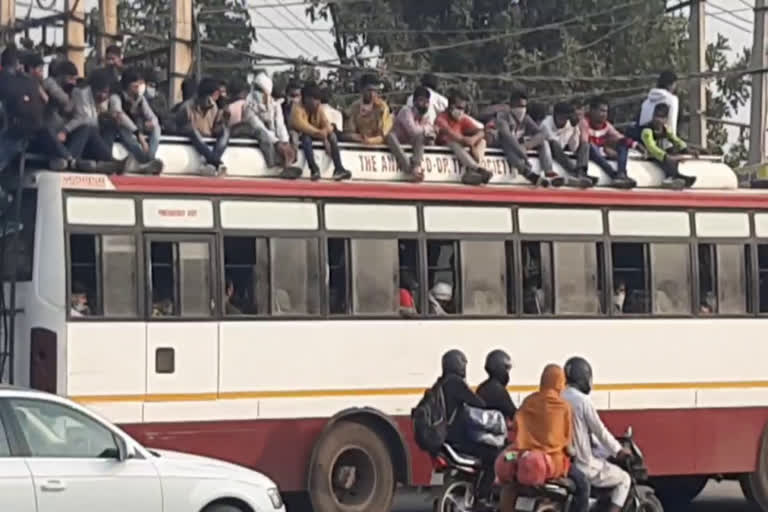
{"x":436,"y":192}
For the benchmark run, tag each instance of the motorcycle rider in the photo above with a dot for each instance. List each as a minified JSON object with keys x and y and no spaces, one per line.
{"x":493,"y":390}
{"x":586,"y":423}
{"x":457,"y":393}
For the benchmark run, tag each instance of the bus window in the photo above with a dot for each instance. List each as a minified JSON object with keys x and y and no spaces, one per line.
{"x":631,"y":287}
{"x":576,"y":278}
{"x":442,"y":277}
{"x":338,"y":276}
{"x":722,"y":279}
{"x":537,"y":278}
{"x":409,"y":262}
{"x":295,"y":265}
{"x":83,"y":257}
{"x":671,"y":264}
{"x":246,"y":276}
{"x":375,"y":269}
{"x":119,"y":283}
{"x":180,"y":278}
{"x":762,"y":265}
{"x":484,"y":278}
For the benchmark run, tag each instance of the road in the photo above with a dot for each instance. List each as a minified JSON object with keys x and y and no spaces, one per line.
{"x":717,"y":497}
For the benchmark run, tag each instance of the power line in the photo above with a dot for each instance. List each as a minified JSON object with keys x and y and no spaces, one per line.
{"x":750,"y":6}
{"x":292,"y":40}
{"x":728,"y":22}
{"x":304,"y":24}
{"x":733,"y":13}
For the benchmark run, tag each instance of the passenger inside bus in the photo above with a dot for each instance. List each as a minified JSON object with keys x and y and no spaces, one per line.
{"x":441,"y":299}
{"x":79,"y":301}
{"x":619,"y":296}
{"x":408,"y":288}
{"x":229,"y":307}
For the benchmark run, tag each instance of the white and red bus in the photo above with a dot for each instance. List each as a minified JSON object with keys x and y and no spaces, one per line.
{"x":257,"y":320}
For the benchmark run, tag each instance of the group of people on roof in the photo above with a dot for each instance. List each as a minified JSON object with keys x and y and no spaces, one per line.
{"x":75,"y":122}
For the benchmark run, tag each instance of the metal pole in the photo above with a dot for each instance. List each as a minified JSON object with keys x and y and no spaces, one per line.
{"x":698,"y":93}
{"x":7,"y":18}
{"x":181,"y":49}
{"x":759,"y":105}
{"x":14,"y":264}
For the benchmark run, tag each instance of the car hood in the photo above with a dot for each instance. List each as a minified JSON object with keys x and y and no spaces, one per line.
{"x":177,"y":464}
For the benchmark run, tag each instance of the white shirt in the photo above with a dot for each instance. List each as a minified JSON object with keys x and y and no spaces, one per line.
{"x":568,"y":136}
{"x":587,"y":423}
{"x":656,"y":96}
{"x":437,"y":104}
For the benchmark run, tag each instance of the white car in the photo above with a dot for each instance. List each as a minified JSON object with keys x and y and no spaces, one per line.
{"x":56,"y":456}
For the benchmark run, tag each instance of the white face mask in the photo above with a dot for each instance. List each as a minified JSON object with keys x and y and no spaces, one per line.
{"x":619,"y":298}
{"x":457,"y":113}
{"x":151,"y":92}
{"x":519,"y":113}
{"x":142,"y":89}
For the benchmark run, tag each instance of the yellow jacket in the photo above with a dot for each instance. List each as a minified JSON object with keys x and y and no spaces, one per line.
{"x":373,"y":125}
{"x":314,"y":125}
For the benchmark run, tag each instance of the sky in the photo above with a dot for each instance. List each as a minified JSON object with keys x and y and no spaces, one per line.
{"x":284,"y":30}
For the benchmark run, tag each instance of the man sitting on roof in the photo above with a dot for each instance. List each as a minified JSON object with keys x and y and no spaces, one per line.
{"x":201,"y":117}
{"x":265,"y":116}
{"x":654,"y":137}
{"x":458,"y":130}
{"x":606,"y":142}
{"x":308,"y":119}
{"x":413,"y":127}
{"x":437,"y":102}
{"x":369,"y":119}
{"x":563,"y":135}
{"x":516,"y":133}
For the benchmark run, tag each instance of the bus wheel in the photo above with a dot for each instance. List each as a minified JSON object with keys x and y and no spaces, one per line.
{"x":755,"y":485}
{"x":677,"y":492}
{"x":352,"y":471}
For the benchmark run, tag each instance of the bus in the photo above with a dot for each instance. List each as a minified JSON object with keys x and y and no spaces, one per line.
{"x":258,"y":320}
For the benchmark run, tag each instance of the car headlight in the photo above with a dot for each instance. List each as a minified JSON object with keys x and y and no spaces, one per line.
{"x":274,"y":497}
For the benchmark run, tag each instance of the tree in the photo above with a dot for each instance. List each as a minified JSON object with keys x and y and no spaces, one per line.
{"x":586,"y":47}
{"x":223,"y":23}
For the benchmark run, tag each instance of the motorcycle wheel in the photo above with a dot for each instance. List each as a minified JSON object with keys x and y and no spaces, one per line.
{"x":458,"y":496}
{"x":649,"y":502}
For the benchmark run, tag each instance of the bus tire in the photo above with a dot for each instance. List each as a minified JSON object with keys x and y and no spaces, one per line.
{"x":677,"y":492}
{"x":352,"y":471}
{"x":755,"y":485}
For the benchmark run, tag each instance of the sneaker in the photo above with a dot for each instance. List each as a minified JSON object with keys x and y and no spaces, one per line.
{"x":58,"y":164}
{"x":486,"y":174}
{"x":557,"y":181}
{"x":291,"y":173}
{"x":209,"y":170}
{"x":341,"y":174}
{"x":623,"y":182}
{"x":689,"y":180}
{"x":84,"y":165}
{"x":314,"y":173}
{"x":472,"y":177}
{"x":152,"y":167}
{"x":673,"y":183}
{"x":112,"y":167}
{"x":536,"y":180}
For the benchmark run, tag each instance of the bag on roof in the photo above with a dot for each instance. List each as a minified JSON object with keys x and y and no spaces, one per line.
{"x":430,"y":424}
{"x":24,"y":106}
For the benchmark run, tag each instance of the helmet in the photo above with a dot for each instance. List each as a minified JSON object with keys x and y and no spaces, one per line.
{"x":498,"y":364}
{"x":455,"y":363}
{"x":578,"y":374}
{"x":442,"y":291}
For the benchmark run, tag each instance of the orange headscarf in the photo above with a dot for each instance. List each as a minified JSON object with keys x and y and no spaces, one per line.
{"x":544,"y":420}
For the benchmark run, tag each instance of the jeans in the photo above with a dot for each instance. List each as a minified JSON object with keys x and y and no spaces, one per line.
{"x":403,"y":162}
{"x":515,"y":153}
{"x":10,"y":148}
{"x":47,"y":143}
{"x":560,"y":156}
{"x":213,"y":155}
{"x":309,"y":152}
{"x":621,"y":165}
{"x":583,"y":490}
{"x":463,"y":155}
{"x":87,"y":142}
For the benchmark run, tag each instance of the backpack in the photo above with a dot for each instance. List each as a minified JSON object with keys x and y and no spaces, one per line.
{"x":23,"y":105}
{"x":430,"y":424}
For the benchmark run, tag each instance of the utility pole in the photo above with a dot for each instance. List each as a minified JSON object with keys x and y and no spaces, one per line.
{"x":698,"y":92}
{"x":181,"y":46}
{"x":759,"y":106}
{"x":108,"y":15}
{"x":74,"y":33}
{"x":7,"y":17}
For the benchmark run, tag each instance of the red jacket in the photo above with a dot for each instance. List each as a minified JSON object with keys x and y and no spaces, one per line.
{"x":603,"y":135}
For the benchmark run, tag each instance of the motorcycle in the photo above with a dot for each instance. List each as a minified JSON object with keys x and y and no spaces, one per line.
{"x":557,"y":495}
{"x":459,"y":475}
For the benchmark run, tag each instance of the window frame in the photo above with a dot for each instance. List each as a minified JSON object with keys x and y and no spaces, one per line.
{"x":99,"y":232}
{"x":213,"y":241}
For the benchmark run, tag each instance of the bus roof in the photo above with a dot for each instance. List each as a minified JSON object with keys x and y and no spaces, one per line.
{"x":375,"y":176}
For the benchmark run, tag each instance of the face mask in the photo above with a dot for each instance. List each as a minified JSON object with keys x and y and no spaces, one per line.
{"x":619,"y":298}
{"x":422,"y":109}
{"x":68,"y":88}
{"x":518,"y":112}
{"x":80,"y":307}
{"x":221,"y":102}
{"x":142,"y":89}
{"x":151,"y":92}
{"x":457,"y":113}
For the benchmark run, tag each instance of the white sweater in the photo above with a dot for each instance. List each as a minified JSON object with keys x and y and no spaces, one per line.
{"x":656,"y":96}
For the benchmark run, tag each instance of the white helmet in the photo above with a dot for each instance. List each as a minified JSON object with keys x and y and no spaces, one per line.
{"x":442,"y":291}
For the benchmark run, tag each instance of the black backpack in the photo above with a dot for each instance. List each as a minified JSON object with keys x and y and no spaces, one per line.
{"x":430,"y":422}
{"x":24,"y":106}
